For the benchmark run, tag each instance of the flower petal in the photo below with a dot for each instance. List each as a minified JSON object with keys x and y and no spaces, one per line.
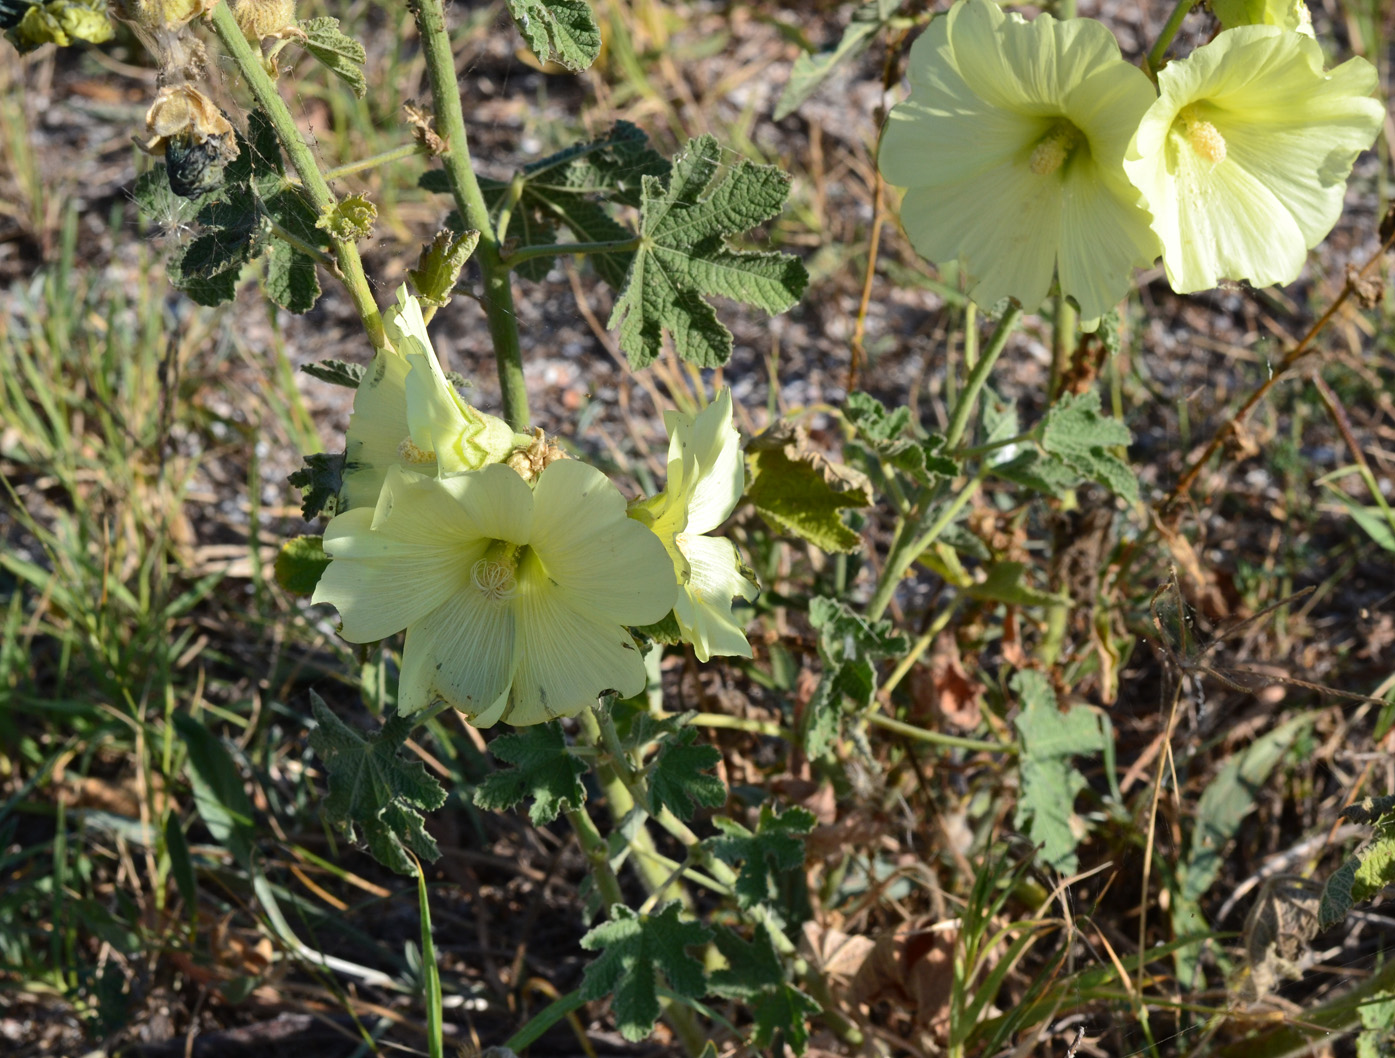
{"x":721,"y":477}
{"x":464,"y":653}
{"x":377,"y":428}
{"x":568,"y":660}
{"x":605,"y":564}
{"x":703,"y":608}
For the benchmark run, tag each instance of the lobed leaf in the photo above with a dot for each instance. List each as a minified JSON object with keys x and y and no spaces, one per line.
{"x":341,"y":55}
{"x":799,"y":491}
{"x":372,"y":789}
{"x":683,"y":257}
{"x":678,"y":778}
{"x":635,"y":950}
{"x":563,"y":31}
{"x":543,"y":771}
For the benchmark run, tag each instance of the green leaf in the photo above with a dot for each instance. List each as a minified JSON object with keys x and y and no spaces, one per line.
{"x":1050,"y":738}
{"x":1371,"y":519}
{"x":846,"y":635}
{"x":372,"y":788}
{"x":683,"y":257}
{"x":438,"y":267}
{"x":665,"y":632}
{"x":799,"y":491}
{"x":300,"y":563}
{"x":1035,"y":470}
{"x":637,"y":950}
{"x":1005,"y":583}
{"x":891,"y":437}
{"x":320,"y":482}
{"x":783,"y":1011}
{"x":752,"y":965}
{"x":291,"y":279}
{"x":219,"y":796}
{"x":1369,"y":870}
{"x":1077,"y":433}
{"x":811,"y":70}
{"x":567,"y":189}
{"x":544,"y":771}
{"x":564,"y":31}
{"x":336,"y":372}
{"x":342,"y":56}
{"x":774,"y":848}
{"x":349,"y":219}
{"x":678,"y":779}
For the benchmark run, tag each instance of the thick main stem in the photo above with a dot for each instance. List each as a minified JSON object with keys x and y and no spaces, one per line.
{"x":263,"y":88}
{"x":497,"y":297}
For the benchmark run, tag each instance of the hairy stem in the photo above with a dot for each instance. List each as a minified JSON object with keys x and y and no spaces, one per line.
{"x":263,"y":88}
{"x":528,"y":253}
{"x":1169,"y":30}
{"x":497,"y":297}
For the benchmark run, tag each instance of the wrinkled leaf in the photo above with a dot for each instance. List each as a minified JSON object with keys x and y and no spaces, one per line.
{"x":543,"y":771}
{"x":799,"y":491}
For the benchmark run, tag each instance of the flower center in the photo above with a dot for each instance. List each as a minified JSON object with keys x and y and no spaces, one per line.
{"x":493,"y":575}
{"x":1205,"y":138}
{"x":1053,"y":149}
{"x":413,"y":454}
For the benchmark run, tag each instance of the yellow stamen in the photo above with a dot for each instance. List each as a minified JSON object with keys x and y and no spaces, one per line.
{"x":1054,"y":148}
{"x":414,"y":455}
{"x":1205,"y":138}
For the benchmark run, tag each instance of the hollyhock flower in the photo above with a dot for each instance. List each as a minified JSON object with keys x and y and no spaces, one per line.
{"x":406,"y":413}
{"x":1011,"y":148}
{"x":705,"y":482}
{"x":515,"y":601}
{"x":1244,"y":157}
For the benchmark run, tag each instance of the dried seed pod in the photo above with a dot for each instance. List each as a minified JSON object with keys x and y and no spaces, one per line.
{"x":195,"y":138}
{"x":263,"y":18}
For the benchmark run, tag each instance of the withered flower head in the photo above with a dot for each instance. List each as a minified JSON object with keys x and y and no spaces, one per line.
{"x":197,"y":141}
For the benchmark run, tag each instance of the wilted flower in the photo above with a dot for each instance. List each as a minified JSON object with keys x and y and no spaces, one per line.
{"x":1244,"y":157}
{"x":1011,"y":149}
{"x":406,"y":413}
{"x":265,"y":18}
{"x":195,"y":138}
{"x":515,"y":601}
{"x":705,"y":482}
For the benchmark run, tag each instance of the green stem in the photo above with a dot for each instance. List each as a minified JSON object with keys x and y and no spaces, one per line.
{"x":407,"y":150}
{"x":920,"y":734}
{"x":978,"y":375}
{"x":249,"y":64}
{"x":1169,"y":30}
{"x":527,"y":253}
{"x":497,"y":297}
{"x":313,"y":252}
{"x":594,"y":847}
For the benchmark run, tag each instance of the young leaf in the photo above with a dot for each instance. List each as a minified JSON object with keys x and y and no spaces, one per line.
{"x":1075,"y":432}
{"x":342,"y":56}
{"x":812,"y":69}
{"x":678,"y":779}
{"x":373,"y":788}
{"x":300,"y":563}
{"x":775,"y":847}
{"x":438,"y":267}
{"x":752,"y":965}
{"x":846,"y":635}
{"x":683,"y":257}
{"x":1050,"y":738}
{"x":637,"y":949}
{"x":320,"y":482}
{"x":560,"y":30}
{"x":891,"y":437}
{"x":797,"y":490}
{"x":544,"y":771}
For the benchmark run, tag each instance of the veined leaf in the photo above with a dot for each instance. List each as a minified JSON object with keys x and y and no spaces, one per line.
{"x":564,"y":31}
{"x":543,"y":770}
{"x":341,"y":55}
{"x":683,"y":257}
{"x":812,"y":69}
